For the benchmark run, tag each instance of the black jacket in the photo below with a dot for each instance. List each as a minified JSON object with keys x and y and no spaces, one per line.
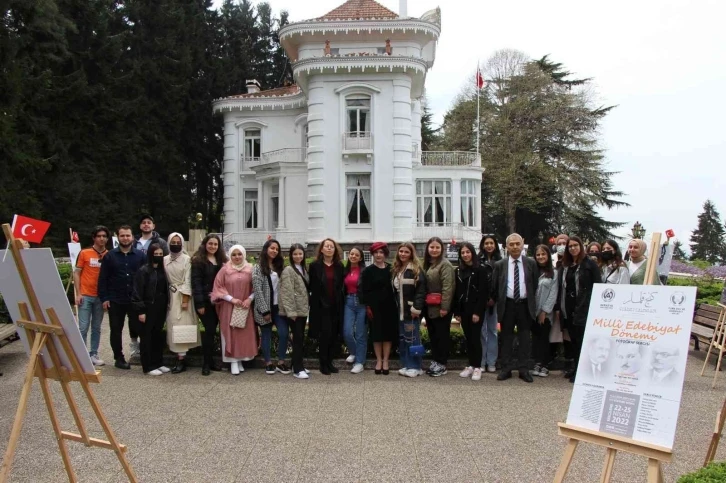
{"x":203,"y":275}
{"x":319,"y":303}
{"x":116,"y":280}
{"x":155,"y":238}
{"x":488,"y":267}
{"x":531,"y":280}
{"x":411,"y":296}
{"x":147,"y":291}
{"x":587,"y":275}
{"x":472,"y":292}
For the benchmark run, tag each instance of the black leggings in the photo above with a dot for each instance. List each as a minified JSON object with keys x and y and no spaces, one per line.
{"x":541,"y":342}
{"x":210,"y":322}
{"x":439,"y":334}
{"x":472,"y":333}
{"x":297,"y":328}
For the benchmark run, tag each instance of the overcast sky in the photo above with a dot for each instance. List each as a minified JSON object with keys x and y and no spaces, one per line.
{"x":663,"y":63}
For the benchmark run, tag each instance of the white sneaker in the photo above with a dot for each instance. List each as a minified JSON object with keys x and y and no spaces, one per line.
{"x":155,"y":372}
{"x":357,"y":369}
{"x":97,"y":361}
{"x":467,"y":372}
{"x":234,"y":368}
{"x":402,"y":371}
{"x":134,"y":348}
{"x":164,"y":369}
{"x":350,"y":359}
{"x":476,"y":376}
{"x":301,"y":375}
{"x":491,"y":369}
{"x":413,"y":372}
{"x":306,"y":371}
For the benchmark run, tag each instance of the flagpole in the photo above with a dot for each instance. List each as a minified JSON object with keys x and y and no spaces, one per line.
{"x":478,"y":118}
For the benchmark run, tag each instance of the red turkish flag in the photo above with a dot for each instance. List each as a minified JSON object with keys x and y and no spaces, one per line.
{"x":29,"y":229}
{"x":479,"y":79}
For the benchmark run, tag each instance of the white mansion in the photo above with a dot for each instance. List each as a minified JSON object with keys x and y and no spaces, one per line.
{"x":338,"y":153}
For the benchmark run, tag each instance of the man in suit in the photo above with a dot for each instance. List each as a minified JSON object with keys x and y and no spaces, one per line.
{"x":663,"y":365}
{"x":516,"y":278}
{"x":595,"y":368}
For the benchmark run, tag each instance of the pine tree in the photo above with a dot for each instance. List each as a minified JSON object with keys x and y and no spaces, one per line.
{"x":430,"y":136}
{"x":678,"y":252}
{"x":708,"y":241}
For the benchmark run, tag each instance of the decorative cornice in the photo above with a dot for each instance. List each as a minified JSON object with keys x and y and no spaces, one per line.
{"x":255,"y":122}
{"x":272,"y":103}
{"x":361,"y":86}
{"x":375,"y":63}
{"x":366,"y":26}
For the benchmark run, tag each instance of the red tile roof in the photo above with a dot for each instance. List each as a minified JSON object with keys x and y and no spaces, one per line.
{"x":359,"y":9}
{"x":278,"y":92}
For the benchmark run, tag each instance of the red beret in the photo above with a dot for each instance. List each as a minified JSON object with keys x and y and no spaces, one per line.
{"x":379,"y":246}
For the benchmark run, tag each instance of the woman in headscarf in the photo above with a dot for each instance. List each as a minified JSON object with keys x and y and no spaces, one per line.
{"x":178,"y":266}
{"x":638,"y":261}
{"x":233,"y":288}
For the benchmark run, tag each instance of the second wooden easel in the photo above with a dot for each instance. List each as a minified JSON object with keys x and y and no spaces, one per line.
{"x":40,"y":330}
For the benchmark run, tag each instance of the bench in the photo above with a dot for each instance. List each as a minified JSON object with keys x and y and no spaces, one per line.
{"x":704,"y":324}
{"x":7,"y":331}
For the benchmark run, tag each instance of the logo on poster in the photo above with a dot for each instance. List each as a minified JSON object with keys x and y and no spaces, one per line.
{"x":608,"y":295}
{"x":677,"y":301}
{"x":640,"y":301}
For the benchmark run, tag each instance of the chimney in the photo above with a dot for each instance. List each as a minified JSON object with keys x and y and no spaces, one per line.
{"x":402,"y":9}
{"x":252,"y":86}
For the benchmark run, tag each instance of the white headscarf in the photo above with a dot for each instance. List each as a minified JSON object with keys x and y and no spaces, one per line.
{"x":174,"y":256}
{"x":241,"y":267}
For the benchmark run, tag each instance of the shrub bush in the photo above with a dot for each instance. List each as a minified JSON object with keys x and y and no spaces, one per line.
{"x":708,"y":290}
{"x":715,"y":472}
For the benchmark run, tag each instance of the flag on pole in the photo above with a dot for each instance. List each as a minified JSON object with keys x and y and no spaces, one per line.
{"x":479,"y":79}
{"x":29,"y":229}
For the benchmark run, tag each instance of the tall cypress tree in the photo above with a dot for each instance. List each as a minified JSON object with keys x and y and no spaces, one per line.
{"x":708,"y":241}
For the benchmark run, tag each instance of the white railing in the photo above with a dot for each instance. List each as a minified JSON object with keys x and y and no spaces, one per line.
{"x":446,"y":231}
{"x":357,"y":141}
{"x":247,"y":161}
{"x":253,"y":240}
{"x":284,"y":155}
{"x":450,"y":158}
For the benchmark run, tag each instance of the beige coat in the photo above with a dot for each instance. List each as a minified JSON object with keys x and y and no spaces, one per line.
{"x":440,"y":278}
{"x":293,"y":294}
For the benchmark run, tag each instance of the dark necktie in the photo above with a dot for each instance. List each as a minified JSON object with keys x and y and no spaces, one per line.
{"x":516,"y":280}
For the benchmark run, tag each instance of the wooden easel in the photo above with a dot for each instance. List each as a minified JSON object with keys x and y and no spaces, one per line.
{"x":716,"y":437}
{"x":613,"y":443}
{"x":39,"y":330}
{"x":718,"y":344}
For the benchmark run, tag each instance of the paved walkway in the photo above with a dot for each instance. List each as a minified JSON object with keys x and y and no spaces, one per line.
{"x":342,"y":428}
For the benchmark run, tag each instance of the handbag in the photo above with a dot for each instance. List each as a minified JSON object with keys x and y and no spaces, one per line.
{"x":184,"y":334}
{"x":433,"y":299}
{"x":239,"y":317}
{"x":414,"y":350}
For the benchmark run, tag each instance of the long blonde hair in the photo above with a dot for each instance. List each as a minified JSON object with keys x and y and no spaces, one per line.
{"x":415,"y":263}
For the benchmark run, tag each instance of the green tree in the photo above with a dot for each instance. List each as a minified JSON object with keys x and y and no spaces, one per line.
{"x":429,"y":134}
{"x":678,"y":252}
{"x":707,"y":240}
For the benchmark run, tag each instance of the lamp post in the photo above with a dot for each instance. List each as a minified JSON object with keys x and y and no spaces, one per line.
{"x":221,"y":219}
{"x":638,"y":230}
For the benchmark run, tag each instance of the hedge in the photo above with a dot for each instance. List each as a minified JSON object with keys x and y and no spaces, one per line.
{"x":715,"y":472}
{"x":708,"y":290}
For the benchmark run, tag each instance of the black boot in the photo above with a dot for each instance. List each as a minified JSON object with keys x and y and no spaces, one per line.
{"x":180,"y":366}
{"x":205,"y":370}
{"x":332,"y":369}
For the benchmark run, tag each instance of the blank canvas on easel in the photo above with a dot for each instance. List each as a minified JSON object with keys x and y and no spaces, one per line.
{"x":47,"y":283}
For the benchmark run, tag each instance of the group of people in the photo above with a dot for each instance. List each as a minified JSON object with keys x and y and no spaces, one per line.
{"x":156,"y":285}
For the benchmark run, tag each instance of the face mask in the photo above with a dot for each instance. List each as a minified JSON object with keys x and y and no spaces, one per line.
{"x":561,"y":249}
{"x":158,"y":259}
{"x":595,"y":255}
{"x":175,"y":248}
{"x":607,"y":256}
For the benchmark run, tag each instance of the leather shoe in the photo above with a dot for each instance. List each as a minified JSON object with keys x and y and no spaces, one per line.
{"x":333,"y":369}
{"x":324,"y":371}
{"x":205,"y":370}
{"x":568,"y":374}
{"x":504,"y":375}
{"x":526,"y":376}
{"x":180,"y":366}
{"x":122,"y":364}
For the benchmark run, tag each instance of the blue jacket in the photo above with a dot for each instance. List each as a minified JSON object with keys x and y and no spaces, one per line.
{"x":116,"y":280}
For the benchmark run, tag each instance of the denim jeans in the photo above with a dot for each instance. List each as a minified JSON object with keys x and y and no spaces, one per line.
{"x":405,"y":329}
{"x":282,"y":339}
{"x":354,"y":328}
{"x":90,"y":314}
{"x":489,"y":343}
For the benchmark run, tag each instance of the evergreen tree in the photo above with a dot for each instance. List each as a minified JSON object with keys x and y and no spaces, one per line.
{"x":678,"y":252}
{"x":708,"y":241}
{"x":429,"y":134}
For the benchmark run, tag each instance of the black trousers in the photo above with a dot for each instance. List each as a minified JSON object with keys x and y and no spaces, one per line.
{"x":151,"y":343}
{"x":210,"y":322}
{"x":328,"y":338}
{"x":117,"y":314}
{"x":297,"y":328}
{"x":577,"y":334}
{"x":541,"y":342}
{"x":516,"y":314}
{"x":472,"y":333}
{"x":439,"y":329}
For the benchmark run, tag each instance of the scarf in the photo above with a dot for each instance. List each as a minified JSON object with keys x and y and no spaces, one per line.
{"x":244,"y":263}
{"x":174,"y":256}
{"x":643,"y":249}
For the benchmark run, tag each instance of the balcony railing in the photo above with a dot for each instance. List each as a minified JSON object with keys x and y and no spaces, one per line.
{"x":446,"y":231}
{"x":285,"y":155}
{"x":357,"y":141}
{"x":450,"y":158}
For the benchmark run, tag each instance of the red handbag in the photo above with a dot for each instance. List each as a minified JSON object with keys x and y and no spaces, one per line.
{"x":433,"y":299}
